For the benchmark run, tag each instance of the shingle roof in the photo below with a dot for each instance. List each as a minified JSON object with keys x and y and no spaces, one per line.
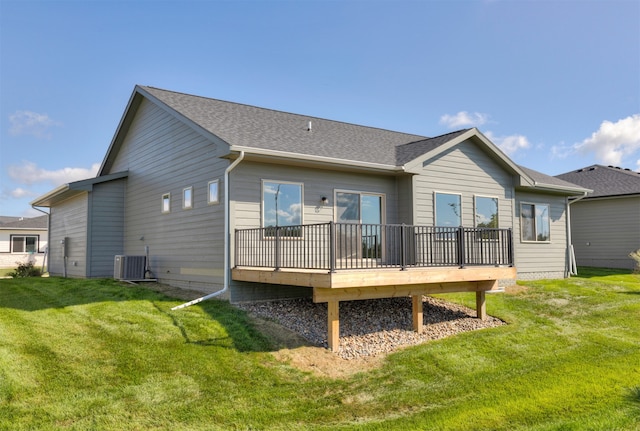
{"x":605,"y":180}
{"x":40,"y":222}
{"x":249,"y":126}
{"x":411,"y":150}
{"x":282,"y":134}
{"x":548,"y":180}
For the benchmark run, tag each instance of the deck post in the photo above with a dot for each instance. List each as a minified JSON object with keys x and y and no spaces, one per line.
{"x":333,"y":325}
{"x":417,"y":313}
{"x":481,"y":305}
{"x":332,"y":246}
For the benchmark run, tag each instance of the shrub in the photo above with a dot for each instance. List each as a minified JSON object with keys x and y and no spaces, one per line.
{"x":635,"y":255}
{"x":26,"y":270}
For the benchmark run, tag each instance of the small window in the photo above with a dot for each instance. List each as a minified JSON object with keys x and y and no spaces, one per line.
{"x":448,"y":210}
{"x":534,"y":219}
{"x":24,"y":244}
{"x":187,"y":198}
{"x":166,"y":202}
{"x":282,"y":205}
{"x":486,"y":212}
{"x":214,"y":195}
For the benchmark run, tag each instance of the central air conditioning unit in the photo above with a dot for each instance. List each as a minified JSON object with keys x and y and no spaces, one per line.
{"x":129,"y":267}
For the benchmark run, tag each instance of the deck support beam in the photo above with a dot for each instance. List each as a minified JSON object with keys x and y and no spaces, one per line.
{"x":481,"y":305}
{"x":417,"y":312}
{"x":333,"y":325}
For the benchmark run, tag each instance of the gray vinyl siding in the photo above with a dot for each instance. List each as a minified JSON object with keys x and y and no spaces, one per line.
{"x":106,"y":227}
{"x":69,"y":220}
{"x":605,"y":231}
{"x":246,"y":196}
{"x":162,"y":156}
{"x":246,"y":191}
{"x":469,"y":171}
{"x":542,"y":259}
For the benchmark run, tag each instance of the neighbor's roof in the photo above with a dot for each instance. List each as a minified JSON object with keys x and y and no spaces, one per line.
{"x":32,"y":223}
{"x":605,"y":180}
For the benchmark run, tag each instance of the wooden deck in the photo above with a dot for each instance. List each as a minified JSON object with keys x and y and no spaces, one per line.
{"x":357,"y":284}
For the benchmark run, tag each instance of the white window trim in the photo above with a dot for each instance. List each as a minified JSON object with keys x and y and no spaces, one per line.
{"x":166,"y":196}
{"x":217,"y":197}
{"x":475,"y":208}
{"x":535,"y":204}
{"x":184,"y":200}
{"x":12,"y":236}
{"x":295,"y":183}
{"x":435,"y":212}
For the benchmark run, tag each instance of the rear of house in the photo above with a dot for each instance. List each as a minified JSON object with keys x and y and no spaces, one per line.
{"x":184,"y":173}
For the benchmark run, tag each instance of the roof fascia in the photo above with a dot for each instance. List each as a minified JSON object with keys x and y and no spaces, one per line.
{"x":559,"y":189}
{"x":311,"y":160}
{"x":66,"y":191}
{"x":123,"y":126}
{"x":180,"y":117}
{"x":129,"y":114}
{"x":42,"y":201}
{"x":416,"y":164}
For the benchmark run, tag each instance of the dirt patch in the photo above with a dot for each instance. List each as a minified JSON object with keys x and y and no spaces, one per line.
{"x":299,"y":353}
{"x":514,"y":289}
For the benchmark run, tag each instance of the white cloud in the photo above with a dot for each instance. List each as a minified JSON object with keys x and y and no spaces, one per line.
{"x":612,"y":143}
{"x":21,"y":193}
{"x":29,"y":173}
{"x":31,"y":123}
{"x":464,"y":119}
{"x":509,"y":144}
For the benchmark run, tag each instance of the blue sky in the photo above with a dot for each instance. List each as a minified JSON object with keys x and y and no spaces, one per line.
{"x":556,"y":84}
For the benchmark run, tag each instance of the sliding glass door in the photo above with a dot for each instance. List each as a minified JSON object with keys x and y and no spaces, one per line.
{"x":360,"y":216}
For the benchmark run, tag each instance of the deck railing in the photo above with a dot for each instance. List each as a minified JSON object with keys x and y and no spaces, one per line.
{"x":336,"y":246}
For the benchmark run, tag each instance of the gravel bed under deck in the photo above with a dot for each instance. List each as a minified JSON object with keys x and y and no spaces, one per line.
{"x":374,"y":326}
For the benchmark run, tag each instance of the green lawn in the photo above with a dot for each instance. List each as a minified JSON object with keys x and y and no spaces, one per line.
{"x":98,"y":355}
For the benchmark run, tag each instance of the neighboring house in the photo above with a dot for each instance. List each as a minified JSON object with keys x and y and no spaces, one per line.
{"x":605,"y":224}
{"x":269,"y":204}
{"x":22,"y":240}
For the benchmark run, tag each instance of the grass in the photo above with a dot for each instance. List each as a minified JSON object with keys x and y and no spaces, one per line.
{"x":98,"y":355}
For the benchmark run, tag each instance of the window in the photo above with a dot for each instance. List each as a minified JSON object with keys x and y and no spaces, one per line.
{"x":486,"y":212}
{"x":535,"y":222}
{"x":187,"y":198}
{"x":281,"y":205}
{"x":24,"y":243}
{"x":166,"y":202}
{"x":448,"y":210}
{"x":213,"y":187}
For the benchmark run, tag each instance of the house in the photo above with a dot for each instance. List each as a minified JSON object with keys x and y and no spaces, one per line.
{"x":605,"y":224}
{"x":23,"y":240}
{"x":262,"y":204}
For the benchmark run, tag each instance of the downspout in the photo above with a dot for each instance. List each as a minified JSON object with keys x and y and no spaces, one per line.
{"x":227,"y":234}
{"x":46,"y":250}
{"x":573,"y":268}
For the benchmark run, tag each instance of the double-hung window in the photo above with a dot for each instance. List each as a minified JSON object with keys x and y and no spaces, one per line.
{"x":24,"y":243}
{"x":281,"y":207}
{"x":535,"y":225}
